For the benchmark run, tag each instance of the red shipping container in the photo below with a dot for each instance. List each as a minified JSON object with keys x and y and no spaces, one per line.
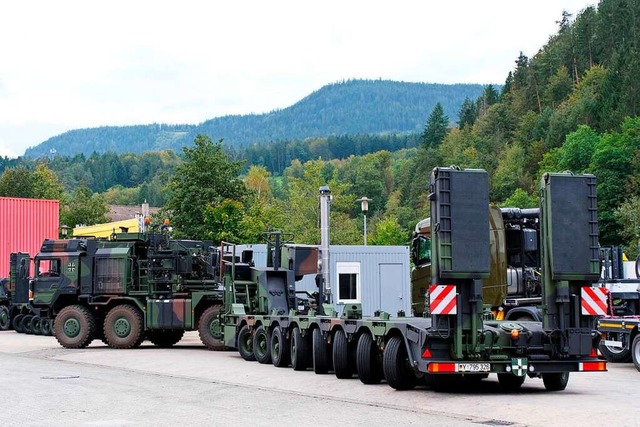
{"x":24,"y":224}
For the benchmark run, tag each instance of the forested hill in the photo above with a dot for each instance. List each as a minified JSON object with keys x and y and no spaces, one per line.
{"x":349,"y":107}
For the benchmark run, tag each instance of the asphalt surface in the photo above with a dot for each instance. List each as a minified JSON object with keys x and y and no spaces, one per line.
{"x":44,"y":384}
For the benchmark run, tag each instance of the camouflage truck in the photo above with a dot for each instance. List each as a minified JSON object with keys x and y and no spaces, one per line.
{"x":123,"y":290}
{"x":15,"y":310}
{"x":459,"y":339}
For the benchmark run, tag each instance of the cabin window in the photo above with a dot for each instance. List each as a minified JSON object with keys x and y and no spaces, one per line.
{"x":48,"y":267}
{"x":348,"y":274}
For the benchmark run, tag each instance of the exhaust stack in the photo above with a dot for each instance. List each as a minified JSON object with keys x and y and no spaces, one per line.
{"x":325,"y":200}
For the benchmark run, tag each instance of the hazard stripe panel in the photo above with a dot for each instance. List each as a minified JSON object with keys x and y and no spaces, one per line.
{"x":442,"y":299}
{"x":594,"y":301}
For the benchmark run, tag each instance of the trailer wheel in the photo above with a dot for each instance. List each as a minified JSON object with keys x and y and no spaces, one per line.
{"x":279,"y":348}
{"x":5,"y":318}
{"x":397,"y":370}
{"x":342,"y":366}
{"x":262,"y":345}
{"x":74,"y":327}
{"x":615,"y":354}
{"x":36,"y":325}
{"x":245,"y":344}
{"x":635,"y":352}
{"x":16,"y":323}
{"x":45,"y":326}
{"x":123,"y":327}
{"x":165,"y":338}
{"x":211,"y":329}
{"x":555,"y":381}
{"x":299,"y":350}
{"x":368,"y":360}
{"x":320,"y":355}
{"x":510,"y":382}
{"x":26,"y":324}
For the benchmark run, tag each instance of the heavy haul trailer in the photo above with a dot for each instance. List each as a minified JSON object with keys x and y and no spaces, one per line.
{"x":126,"y":289}
{"x":456,"y":340}
{"x":621,"y":338}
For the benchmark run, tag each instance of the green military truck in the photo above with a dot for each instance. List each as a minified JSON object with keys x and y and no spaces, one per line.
{"x":132,"y":287}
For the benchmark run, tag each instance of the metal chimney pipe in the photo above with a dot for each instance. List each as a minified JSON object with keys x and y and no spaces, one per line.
{"x":325,"y":200}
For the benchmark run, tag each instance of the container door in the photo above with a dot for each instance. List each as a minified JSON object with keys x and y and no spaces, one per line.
{"x":391,"y":294}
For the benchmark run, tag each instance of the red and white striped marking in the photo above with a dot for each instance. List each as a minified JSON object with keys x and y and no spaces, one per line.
{"x":594,"y":301}
{"x":442,"y":299}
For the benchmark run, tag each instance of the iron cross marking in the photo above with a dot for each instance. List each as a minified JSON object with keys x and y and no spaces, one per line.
{"x":71,"y":267}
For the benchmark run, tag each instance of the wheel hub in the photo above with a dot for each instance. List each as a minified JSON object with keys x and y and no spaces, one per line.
{"x":215,"y":329}
{"x":121,"y":327}
{"x":71,"y":327}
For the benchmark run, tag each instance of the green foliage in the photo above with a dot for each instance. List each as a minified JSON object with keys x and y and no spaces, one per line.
{"x":628,"y":216}
{"x":389,"y":232}
{"x":42,"y":183}
{"x":436,"y":128}
{"x":83,"y":207}
{"x":520,"y":199}
{"x":224,"y":220}
{"x":206,"y":178}
{"x":16,"y":183}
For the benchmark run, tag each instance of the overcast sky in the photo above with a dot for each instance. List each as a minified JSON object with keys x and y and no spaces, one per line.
{"x":73,"y":64}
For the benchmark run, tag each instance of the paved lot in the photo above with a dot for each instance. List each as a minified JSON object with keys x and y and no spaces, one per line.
{"x":44,"y":384}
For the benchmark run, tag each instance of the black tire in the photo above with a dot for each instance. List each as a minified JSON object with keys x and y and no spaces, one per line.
{"x":74,"y":327}
{"x":46,"y":326}
{"x":615,"y":354}
{"x":245,"y":344}
{"x":5,"y":318}
{"x":123,"y":327}
{"x":211,"y":329}
{"x":26,"y":324}
{"x":16,"y":323}
{"x":299,"y":350}
{"x":320,"y":353}
{"x":510,"y":383}
{"x":262,"y":345}
{"x":280,"y":353}
{"x":342,"y":365}
{"x":635,"y":352}
{"x":36,"y":325}
{"x":368,"y":360}
{"x":165,"y":338}
{"x":556,"y":381}
{"x":395,"y":363}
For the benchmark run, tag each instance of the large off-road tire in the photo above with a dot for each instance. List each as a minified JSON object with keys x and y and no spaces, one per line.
{"x":320,"y":352}
{"x":165,"y":338}
{"x":280,"y":353}
{"x":635,"y":352}
{"x":510,"y":382}
{"x":556,"y":381}
{"x":123,"y":327}
{"x":343,"y":366}
{"x":615,"y":354}
{"x":262,"y":345}
{"x":299,"y":350}
{"x":368,"y":360}
{"x":74,"y":327}
{"x":395,"y":363}
{"x":5,"y":318}
{"x":26,"y":324}
{"x":245,"y":344}
{"x":211,"y":329}
{"x":46,"y":325}
{"x":16,"y":323}
{"x":36,"y":325}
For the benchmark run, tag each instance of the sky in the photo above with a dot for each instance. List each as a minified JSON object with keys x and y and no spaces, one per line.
{"x":75,"y":64}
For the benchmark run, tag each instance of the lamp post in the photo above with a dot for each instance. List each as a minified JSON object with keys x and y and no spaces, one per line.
{"x":364,"y":205}
{"x":64,"y":230}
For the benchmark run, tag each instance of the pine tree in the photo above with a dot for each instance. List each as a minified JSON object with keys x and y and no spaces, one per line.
{"x":437,"y":127}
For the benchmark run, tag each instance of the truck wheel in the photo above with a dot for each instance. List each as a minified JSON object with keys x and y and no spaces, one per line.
{"x":262,"y":345}
{"x":368,"y":360}
{"x":74,"y":327}
{"x":36,"y":325}
{"x":211,"y":330}
{"x":165,"y":338}
{"x":26,"y":324}
{"x":510,"y":382}
{"x":245,"y":344}
{"x":45,"y":327}
{"x":342,"y":367}
{"x":16,"y":323}
{"x":635,"y":352}
{"x":615,"y":354}
{"x":5,"y":318}
{"x":299,"y":350}
{"x":555,"y":381}
{"x":320,"y":353}
{"x":279,"y":348}
{"x":123,"y":327}
{"x":397,"y":370}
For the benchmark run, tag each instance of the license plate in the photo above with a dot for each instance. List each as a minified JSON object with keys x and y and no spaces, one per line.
{"x":474,"y":367}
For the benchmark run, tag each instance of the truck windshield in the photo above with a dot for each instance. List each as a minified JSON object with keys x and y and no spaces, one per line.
{"x":423,"y":250}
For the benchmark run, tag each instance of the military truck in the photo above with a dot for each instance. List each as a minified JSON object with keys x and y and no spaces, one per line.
{"x":458,"y":339}
{"x":513,"y":290}
{"x":125,"y":289}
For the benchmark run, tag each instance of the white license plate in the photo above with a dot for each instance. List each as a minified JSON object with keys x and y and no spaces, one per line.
{"x":474,"y":367}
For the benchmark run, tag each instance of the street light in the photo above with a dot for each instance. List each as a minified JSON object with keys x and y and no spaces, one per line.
{"x":64,"y":230}
{"x":364,"y":205}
